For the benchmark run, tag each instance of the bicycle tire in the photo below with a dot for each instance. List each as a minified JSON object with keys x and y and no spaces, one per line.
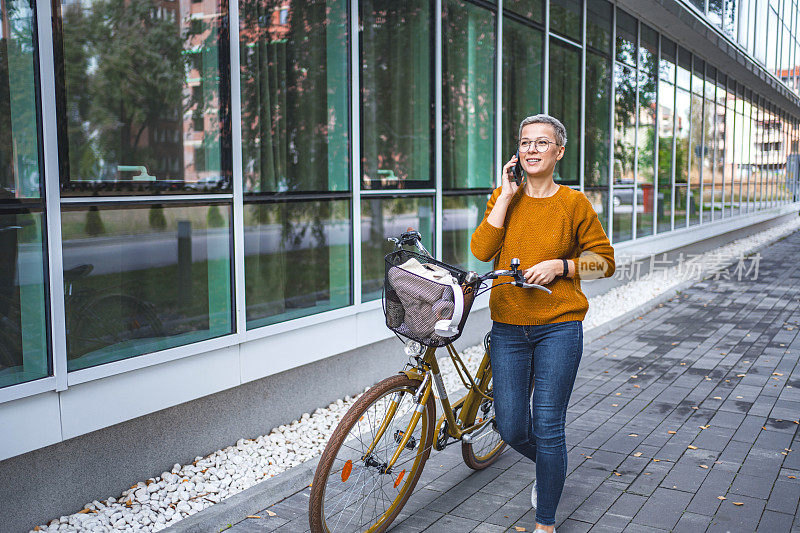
{"x":327,"y":469}
{"x":481,"y":453}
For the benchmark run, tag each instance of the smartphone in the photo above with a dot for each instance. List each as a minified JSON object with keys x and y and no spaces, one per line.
{"x":517,"y":171}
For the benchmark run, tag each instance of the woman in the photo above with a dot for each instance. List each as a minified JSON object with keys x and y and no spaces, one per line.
{"x":556,"y":234}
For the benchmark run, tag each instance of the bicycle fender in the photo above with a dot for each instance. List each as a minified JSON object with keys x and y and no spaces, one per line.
{"x":413,"y":374}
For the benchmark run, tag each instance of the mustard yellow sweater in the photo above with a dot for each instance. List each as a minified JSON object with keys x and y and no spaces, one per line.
{"x":564,"y":225}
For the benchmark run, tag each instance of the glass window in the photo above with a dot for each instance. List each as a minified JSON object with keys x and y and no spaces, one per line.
{"x":532,"y":9}
{"x":295,"y":96}
{"x":624,"y":124}
{"x":565,"y":105}
{"x":522,"y":79}
{"x":23,"y":334}
{"x":599,"y":15}
{"x":382,"y":218}
{"x":709,"y":114}
{"x":624,"y":151}
{"x":460,"y":216}
{"x":565,"y":18}
{"x":598,"y":196}
{"x":730,"y":172}
{"x":684,"y":76}
{"x":719,"y":153}
{"x":397,"y":94}
{"x":683,"y":120}
{"x":645,"y":159}
{"x":598,"y":127}
{"x":297,"y":258}
{"x":122,"y":132}
{"x":23,"y":330}
{"x":666,"y":132}
{"x":667,"y":67}
{"x":468,"y":106}
{"x":143,"y":278}
{"x":696,"y":157}
{"x":626,"y":38}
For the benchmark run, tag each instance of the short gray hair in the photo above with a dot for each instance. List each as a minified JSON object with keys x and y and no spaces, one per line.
{"x":542,"y":118}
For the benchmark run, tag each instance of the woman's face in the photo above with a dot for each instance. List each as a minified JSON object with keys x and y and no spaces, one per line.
{"x":536,"y":163}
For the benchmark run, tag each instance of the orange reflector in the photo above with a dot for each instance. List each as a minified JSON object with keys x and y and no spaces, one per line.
{"x":399,"y":478}
{"x":348,"y":467}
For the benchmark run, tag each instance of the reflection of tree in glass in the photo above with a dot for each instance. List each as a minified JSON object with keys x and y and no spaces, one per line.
{"x":624,"y":120}
{"x":124,"y":72}
{"x":132,"y":70}
{"x":598,"y":102}
{"x":18,"y":131}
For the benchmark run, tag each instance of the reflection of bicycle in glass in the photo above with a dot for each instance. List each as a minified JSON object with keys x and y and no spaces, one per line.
{"x":376,"y":454}
{"x":96,"y":320}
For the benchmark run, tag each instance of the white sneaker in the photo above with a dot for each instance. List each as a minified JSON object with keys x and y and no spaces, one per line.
{"x":540,"y":530}
{"x":533,"y":497}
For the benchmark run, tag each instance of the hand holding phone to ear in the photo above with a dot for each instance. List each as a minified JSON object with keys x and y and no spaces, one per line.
{"x":511,"y":180}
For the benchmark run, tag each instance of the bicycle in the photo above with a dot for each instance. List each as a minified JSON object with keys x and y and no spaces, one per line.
{"x":377,"y":452}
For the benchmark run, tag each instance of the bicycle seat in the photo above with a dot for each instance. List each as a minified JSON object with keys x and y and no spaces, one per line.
{"x":77,"y":272}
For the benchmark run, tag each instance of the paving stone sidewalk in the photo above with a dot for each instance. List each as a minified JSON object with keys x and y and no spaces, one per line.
{"x":695,"y":400}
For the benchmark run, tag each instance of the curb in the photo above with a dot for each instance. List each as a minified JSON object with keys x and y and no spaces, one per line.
{"x":232,"y":510}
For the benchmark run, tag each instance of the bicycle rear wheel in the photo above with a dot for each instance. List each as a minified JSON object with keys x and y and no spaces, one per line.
{"x":351,"y":489}
{"x":487,"y":445}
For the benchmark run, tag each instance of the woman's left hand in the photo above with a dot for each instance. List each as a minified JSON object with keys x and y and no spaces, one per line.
{"x":544,"y":272}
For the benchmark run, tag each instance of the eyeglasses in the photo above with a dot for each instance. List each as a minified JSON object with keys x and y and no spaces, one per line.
{"x":541,"y":145}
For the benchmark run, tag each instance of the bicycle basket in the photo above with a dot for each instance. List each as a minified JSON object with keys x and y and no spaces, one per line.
{"x":424,"y":299}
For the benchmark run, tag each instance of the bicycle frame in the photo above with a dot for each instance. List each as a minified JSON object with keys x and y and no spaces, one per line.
{"x":429,"y":374}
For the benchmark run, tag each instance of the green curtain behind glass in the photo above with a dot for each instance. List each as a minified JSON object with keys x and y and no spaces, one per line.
{"x":294,"y":95}
{"x":469,"y":96}
{"x":396,"y":94}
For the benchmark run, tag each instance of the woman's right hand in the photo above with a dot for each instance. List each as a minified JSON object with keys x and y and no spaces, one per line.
{"x":510,"y":186}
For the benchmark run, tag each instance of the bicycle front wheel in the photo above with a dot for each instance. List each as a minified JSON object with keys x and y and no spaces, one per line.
{"x":352,"y":489}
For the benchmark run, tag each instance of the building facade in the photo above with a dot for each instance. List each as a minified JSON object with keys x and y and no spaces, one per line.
{"x":196,"y":194}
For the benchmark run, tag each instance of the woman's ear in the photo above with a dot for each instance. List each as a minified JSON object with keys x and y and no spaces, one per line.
{"x":560,"y":153}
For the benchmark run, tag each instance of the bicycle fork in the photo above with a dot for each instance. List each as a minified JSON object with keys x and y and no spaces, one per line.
{"x":420,"y":401}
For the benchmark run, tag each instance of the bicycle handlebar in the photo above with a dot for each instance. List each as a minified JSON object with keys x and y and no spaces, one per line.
{"x":412,"y":237}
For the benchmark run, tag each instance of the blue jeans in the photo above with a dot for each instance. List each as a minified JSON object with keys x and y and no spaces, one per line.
{"x":555,"y":351}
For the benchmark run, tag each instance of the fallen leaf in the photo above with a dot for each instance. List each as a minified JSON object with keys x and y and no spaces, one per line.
{"x":637,"y":386}
{"x":740,"y":375}
{"x":721,"y":498}
{"x":633,"y":435}
{"x":692,"y":447}
{"x":738,"y":503}
{"x":695,"y":407}
{"x":717,"y":397}
{"x":777,"y":374}
{"x":588,"y":456}
{"x":252,"y":516}
{"x":671,"y":432}
{"x":617,"y":474}
{"x":518,"y":528}
{"x":618,"y":394}
{"x":792,"y":477}
{"x":647,"y":473}
{"x":703,"y":427}
{"x":703,"y":466}
{"x":656,"y":460}
{"x":614,"y":405}
{"x":270,"y":513}
{"x":739,"y":397}
{"x":637,"y":454}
